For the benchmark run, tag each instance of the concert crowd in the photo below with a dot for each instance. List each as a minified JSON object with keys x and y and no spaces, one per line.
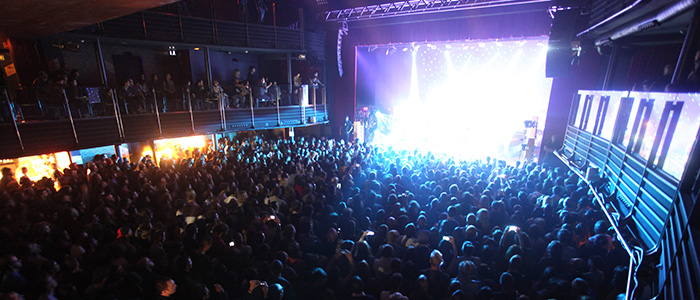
{"x":306,"y":218}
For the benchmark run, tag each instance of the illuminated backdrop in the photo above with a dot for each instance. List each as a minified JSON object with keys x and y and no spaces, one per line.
{"x":468,"y":99}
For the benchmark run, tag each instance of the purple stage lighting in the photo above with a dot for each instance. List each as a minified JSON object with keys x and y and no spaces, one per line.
{"x":466,"y":99}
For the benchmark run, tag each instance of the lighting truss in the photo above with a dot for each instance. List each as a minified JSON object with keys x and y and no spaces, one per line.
{"x":414,"y":7}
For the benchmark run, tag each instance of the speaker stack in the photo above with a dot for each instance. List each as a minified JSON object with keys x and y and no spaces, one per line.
{"x":561,"y":34}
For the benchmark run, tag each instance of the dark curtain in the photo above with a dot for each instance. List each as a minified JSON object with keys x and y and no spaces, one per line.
{"x":28,"y":58}
{"x":648,"y":63}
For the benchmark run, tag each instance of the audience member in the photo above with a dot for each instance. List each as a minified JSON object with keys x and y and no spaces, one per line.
{"x":303,"y":218}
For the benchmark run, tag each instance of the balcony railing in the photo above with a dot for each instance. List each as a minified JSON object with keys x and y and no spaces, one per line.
{"x":156,"y":26}
{"x":23,"y":138}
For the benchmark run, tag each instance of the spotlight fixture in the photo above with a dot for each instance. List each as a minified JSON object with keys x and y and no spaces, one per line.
{"x":391,"y":50}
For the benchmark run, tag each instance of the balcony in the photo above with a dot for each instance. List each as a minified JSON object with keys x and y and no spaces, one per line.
{"x":23,"y":138}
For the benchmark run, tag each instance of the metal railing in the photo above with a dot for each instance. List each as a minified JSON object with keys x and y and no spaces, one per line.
{"x":121,"y":125}
{"x":635,"y":252}
{"x":643,"y":170}
{"x":168,"y":27}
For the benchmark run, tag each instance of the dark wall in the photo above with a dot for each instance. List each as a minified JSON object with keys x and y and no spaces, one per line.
{"x":222,"y":65}
{"x":647,"y":63}
{"x":155,"y":61}
{"x":86,"y":62}
{"x":582,"y":76}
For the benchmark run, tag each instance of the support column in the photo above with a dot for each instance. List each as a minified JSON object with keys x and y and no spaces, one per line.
{"x":118,"y":152}
{"x":101,"y":62}
{"x":611,"y":68}
{"x":687,"y":54}
{"x":152,"y":143}
{"x":207,"y":64}
{"x":289,"y":73}
{"x":301,"y":28}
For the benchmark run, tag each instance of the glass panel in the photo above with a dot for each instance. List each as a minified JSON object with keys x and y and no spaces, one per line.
{"x":611,"y":114}
{"x":684,"y":137}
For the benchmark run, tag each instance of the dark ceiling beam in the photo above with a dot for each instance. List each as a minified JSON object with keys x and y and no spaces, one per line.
{"x":38,"y":18}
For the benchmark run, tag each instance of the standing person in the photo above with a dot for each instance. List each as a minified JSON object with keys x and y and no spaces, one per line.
{"x":128,"y":97}
{"x":41,"y":85}
{"x":166,"y":287}
{"x":7,"y":177}
{"x":296,"y":81}
{"x":347,"y":129}
{"x":169,"y":92}
{"x":296,"y":89}
{"x":659,"y":85}
{"x":201,"y":93}
{"x":262,"y":9}
{"x":25,"y":181}
{"x":77,"y":98}
{"x":187,"y":95}
{"x":55,"y":100}
{"x":155,"y":86}
{"x":243,"y":5}
{"x":143,"y":93}
{"x":253,"y":78}
{"x":315,"y":81}
{"x":239,"y":89}
{"x":694,"y":76}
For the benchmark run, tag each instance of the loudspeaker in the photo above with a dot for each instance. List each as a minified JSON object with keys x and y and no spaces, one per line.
{"x":561,"y":34}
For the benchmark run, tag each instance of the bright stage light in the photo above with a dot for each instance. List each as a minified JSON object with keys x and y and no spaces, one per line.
{"x":468,"y":102}
{"x":175,"y":148}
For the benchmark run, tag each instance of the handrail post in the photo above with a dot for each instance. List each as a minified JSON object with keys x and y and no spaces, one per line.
{"x":70,"y":116}
{"x":302,"y":106}
{"x":277,"y":95}
{"x":252,"y":111}
{"x":222,"y":111}
{"x":14,"y":119}
{"x":274,"y":21}
{"x":189,"y":101}
{"x":117,"y":113}
{"x":323,"y":102}
{"x":155,"y":101}
{"x":179,"y":19}
{"x":314,"y":104}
